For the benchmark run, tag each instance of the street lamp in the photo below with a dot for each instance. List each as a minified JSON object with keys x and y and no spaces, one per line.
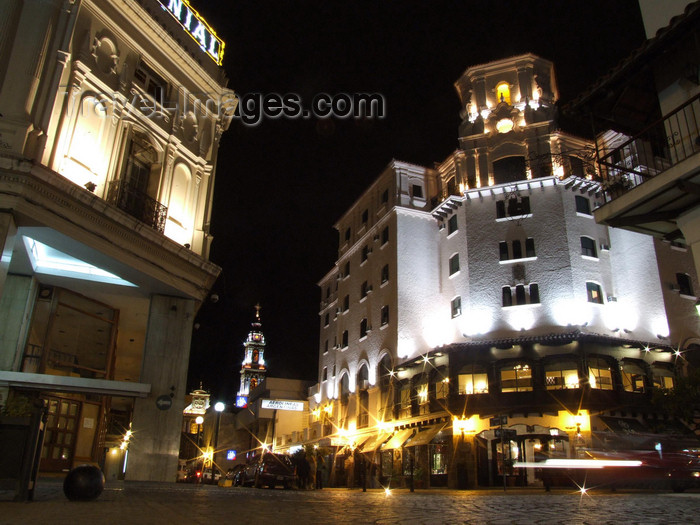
{"x":199,"y":420}
{"x":219,"y":407}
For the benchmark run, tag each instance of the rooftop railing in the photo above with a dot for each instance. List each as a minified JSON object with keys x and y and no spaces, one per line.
{"x":664,"y":144}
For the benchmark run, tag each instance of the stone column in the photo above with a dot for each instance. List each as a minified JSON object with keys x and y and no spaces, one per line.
{"x":154,"y":447}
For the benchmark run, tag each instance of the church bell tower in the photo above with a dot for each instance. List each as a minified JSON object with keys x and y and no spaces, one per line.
{"x":253,"y":368}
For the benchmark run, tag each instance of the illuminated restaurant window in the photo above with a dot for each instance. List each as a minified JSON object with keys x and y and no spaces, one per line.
{"x":473,"y":380}
{"x":516,"y":378}
{"x":599,"y":374}
{"x":561,"y":375}
{"x":662,"y":377}
{"x":632,"y":376}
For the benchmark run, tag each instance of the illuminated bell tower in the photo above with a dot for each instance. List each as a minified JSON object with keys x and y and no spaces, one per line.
{"x":253,"y":368}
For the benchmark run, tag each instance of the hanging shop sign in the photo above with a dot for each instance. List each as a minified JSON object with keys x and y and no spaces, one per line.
{"x":277,"y":404}
{"x":196,"y":27}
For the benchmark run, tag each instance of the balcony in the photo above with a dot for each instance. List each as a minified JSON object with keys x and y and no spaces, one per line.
{"x":651,"y":179}
{"x":662,"y":145}
{"x":137,"y":204}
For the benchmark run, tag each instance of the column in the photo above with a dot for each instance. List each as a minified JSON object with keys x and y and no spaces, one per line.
{"x":154,"y":448}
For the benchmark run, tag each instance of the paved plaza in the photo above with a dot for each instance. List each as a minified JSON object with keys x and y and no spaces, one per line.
{"x":137,"y":503}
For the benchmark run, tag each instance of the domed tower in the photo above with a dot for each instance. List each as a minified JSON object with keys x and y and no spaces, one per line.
{"x":253,"y":368}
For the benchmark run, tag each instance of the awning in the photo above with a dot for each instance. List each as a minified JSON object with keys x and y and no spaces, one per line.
{"x":624,"y":425}
{"x":425,"y":435}
{"x":374,"y":441}
{"x":398,"y":439}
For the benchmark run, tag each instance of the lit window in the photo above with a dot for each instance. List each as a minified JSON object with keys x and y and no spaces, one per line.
{"x":588,"y":247}
{"x":503,"y":92}
{"x":662,"y":377}
{"x":595,"y":293}
{"x":454,"y":264}
{"x":560,"y":375}
{"x":452,"y":225}
{"x":632,"y":376}
{"x":473,"y":380}
{"x":517,"y":378}
{"x":456,"y":306}
{"x":442,"y":388}
{"x":599,"y":374}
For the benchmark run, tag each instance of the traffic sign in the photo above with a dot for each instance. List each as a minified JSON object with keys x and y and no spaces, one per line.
{"x":498,"y":421}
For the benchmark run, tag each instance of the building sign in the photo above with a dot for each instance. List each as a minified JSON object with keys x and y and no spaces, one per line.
{"x":196,"y":27}
{"x":276,"y":404}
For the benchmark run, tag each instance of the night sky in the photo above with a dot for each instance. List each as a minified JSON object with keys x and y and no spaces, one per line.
{"x":281,"y":185}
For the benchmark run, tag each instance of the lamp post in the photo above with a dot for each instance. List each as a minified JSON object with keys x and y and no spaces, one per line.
{"x":199,"y":420}
{"x":219,"y":407}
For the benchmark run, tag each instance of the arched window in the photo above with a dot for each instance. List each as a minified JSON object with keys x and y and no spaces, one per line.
{"x":509,"y":169}
{"x":179,"y":219}
{"x":503,"y":92}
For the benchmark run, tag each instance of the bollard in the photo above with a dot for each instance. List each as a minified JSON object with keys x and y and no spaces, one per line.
{"x":84,"y":483}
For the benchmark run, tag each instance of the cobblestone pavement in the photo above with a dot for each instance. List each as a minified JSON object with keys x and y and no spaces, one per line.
{"x":146,"y":503}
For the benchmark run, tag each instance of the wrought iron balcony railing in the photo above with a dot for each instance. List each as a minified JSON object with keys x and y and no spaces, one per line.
{"x":664,"y":144}
{"x":137,"y":204}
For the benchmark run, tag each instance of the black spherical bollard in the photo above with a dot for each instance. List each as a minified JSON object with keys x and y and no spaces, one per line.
{"x":84,"y":483}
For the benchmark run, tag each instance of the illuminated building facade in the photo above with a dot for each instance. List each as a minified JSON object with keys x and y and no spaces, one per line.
{"x":253,"y":367}
{"x":111,"y":116}
{"x":484,"y":288}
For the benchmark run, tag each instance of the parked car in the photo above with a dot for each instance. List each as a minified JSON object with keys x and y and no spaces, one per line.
{"x":208,"y":477}
{"x":269,"y":470}
{"x":181,"y":470}
{"x":235,"y":474}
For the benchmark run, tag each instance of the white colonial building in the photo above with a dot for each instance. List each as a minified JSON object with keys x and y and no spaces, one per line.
{"x":111,"y":114}
{"x":484,"y":287}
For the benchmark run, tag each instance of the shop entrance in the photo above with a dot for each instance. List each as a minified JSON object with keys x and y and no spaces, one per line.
{"x":60,"y":436}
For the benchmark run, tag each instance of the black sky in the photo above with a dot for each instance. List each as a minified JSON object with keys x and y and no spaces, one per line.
{"x":281,"y":185}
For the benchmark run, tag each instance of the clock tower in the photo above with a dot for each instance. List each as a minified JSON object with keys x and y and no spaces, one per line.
{"x":253,"y":368}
